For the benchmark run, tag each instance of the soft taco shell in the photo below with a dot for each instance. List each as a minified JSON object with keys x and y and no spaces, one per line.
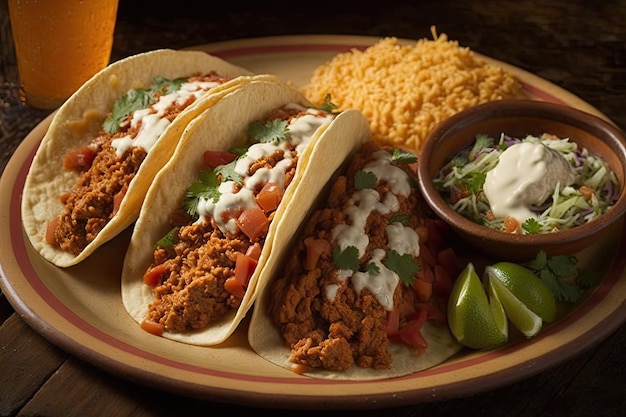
{"x":264,"y":336}
{"x":80,"y":118}
{"x":222,"y":128}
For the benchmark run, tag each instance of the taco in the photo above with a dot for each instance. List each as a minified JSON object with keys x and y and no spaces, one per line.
{"x":107,"y":141}
{"x":208,"y":225}
{"x":363,"y":293}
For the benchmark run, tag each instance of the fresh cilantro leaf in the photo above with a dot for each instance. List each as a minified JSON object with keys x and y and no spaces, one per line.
{"x":531,"y":226}
{"x":328,"y":105}
{"x":404,"y":265}
{"x":372,"y":268}
{"x":240,"y":151}
{"x":228,"y":172}
{"x":562,"y":276}
{"x":166,"y":86}
{"x":402,"y":157}
{"x":364,"y":180}
{"x":274,"y":130}
{"x":459,"y":161}
{"x":587,"y":279}
{"x":400,"y":218}
{"x":167,"y":240}
{"x":474,"y":181}
{"x":347,"y":259}
{"x":482,"y":141}
{"x":139,"y":98}
{"x":540,"y":261}
{"x":206,"y":187}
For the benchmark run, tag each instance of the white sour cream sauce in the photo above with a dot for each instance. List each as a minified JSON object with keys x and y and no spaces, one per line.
{"x":153,"y":120}
{"x":301,"y":131}
{"x":527,"y":174}
{"x":401,"y":238}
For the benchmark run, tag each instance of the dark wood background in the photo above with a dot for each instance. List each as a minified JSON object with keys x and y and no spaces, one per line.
{"x":579,"y":45}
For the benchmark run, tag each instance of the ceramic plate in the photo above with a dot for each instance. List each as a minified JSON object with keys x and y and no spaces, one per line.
{"x":80,"y":308}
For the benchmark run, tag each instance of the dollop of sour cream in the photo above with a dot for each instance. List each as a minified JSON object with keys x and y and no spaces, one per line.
{"x":526,"y":175}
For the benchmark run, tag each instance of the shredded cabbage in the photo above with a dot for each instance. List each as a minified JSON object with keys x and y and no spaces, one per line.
{"x":593,"y":193}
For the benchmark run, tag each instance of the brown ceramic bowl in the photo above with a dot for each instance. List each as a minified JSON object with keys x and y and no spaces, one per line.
{"x":519,"y":118}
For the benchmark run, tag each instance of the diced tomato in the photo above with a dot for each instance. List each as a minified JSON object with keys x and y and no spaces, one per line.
{"x":423,"y":288}
{"x":79,"y":159}
{"x":393,"y":322}
{"x":443,"y":283}
{"x":435,"y":238}
{"x":50,"y":228}
{"x":300,"y":369}
{"x":152,"y":327}
{"x":586,"y":191}
{"x":233,"y":286}
{"x":253,"y":223}
{"x":254,"y":251}
{"x":117,"y":200}
{"x":64,"y":197}
{"x":448,"y":259}
{"x":511,"y":225}
{"x":426,"y":255}
{"x":217,"y":158}
{"x":269,"y":197}
{"x":244,"y":268}
{"x":410,"y":335}
{"x":433,"y":312}
{"x":152,"y":277}
{"x":315,"y":248}
{"x":422,"y":233}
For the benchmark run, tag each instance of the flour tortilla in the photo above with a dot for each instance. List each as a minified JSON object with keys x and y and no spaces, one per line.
{"x":222,"y":128}
{"x":264,"y":336}
{"x":78,"y":121}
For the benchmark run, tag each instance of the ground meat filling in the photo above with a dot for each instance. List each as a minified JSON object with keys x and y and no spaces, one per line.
{"x":91,"y":203}
{"x":352,"y":329}
{"x":96,"y":195}
{"x":191,"y":295}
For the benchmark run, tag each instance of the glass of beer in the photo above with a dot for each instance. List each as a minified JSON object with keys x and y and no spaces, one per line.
{"x":60,"y":44}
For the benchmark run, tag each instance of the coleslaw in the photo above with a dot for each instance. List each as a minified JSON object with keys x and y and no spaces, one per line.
{"x":593,"y":192}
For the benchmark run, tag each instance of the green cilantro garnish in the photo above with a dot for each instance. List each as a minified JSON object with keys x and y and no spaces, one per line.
{"x":364,"y":180}
{"x":240,"y":151}
{"x":372,"y":268}
{"x":482,"y":141}
{"x":228,"y":172}
{"x":347,"y":259}
{"x":167,"y":240}
{"x":272,"y":131}
{"x":139,"y":98}
{"x":562,"y":276}
{"x":531,"y":226}
{"x":459,"y":161}
{"x":206,"y":187}
{"x":474,"y":181}
{"x":404,"y":265}
{"x":328,"y":105}
{"x":398,"y":218}
{"x":402,"y":157}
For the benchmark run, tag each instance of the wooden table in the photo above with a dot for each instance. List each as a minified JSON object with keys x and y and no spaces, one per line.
{"x":579,"y":45}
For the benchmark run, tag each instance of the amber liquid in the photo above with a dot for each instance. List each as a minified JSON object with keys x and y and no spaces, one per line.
{"x":60,"y":44}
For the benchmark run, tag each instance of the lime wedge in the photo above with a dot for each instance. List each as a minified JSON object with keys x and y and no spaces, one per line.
{"x":527,"y":287}
{"x":521,"y":316}
{"x":473,"y":320}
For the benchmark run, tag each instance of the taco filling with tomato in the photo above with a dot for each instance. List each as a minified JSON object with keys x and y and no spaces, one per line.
{"x":109,"y":163}
{"x":104,"y":145}
{"x":202,"y":268}
{"x":363,"y":294}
